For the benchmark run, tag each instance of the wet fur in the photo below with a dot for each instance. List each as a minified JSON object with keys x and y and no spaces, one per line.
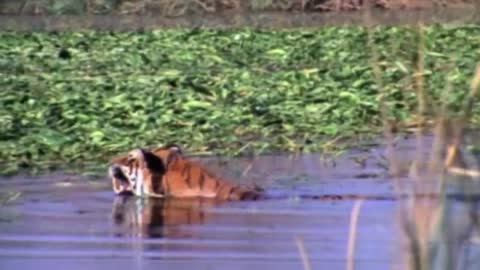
{"x":166,"y":172}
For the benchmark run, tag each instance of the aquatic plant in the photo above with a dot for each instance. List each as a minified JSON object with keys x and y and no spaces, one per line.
{"x":73,"y":97}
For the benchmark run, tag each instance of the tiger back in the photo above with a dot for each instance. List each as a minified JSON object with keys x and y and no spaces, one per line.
{"x":164,"y":171}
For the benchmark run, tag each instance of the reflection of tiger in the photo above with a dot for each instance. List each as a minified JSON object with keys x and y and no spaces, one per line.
{"x":164,"y":171}
{"x":157,"y":217}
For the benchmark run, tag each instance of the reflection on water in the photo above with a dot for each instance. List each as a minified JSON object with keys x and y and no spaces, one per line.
{"x":156,"y":218}
{"x":67,"y":222}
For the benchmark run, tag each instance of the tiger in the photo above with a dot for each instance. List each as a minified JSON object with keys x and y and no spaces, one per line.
{"x":165,"y":172}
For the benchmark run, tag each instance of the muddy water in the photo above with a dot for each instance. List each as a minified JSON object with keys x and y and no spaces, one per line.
{"x":69,"y":222}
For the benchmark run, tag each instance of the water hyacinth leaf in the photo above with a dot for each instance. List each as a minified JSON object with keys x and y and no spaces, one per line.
{"x":331,"y":129}
{"x":51,"y":137}
{"x":97,"y":137}
{"x":192,"y":104}
{"x":353,"y":97}
{"x":118,"y":99}
{"x":172,"y":73}
{"x":276,"y":53}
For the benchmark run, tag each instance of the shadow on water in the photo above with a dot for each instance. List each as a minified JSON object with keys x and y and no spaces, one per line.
{"x":67,"y":222}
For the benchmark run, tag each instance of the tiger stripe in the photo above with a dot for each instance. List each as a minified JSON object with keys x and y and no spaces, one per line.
{"x":164,"y":171}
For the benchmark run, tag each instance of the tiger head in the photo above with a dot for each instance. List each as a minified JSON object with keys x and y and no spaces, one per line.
{"x":141,"y":171}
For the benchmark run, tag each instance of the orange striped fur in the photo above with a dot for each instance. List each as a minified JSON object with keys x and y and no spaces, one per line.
{"x":164,"y":171}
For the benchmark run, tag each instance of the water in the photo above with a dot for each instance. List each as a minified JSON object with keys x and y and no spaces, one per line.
{"x":70,"y":222}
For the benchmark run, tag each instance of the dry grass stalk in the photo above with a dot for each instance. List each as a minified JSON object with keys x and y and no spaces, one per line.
{"x":387,"y":130}
{"x":426,"y":221}
{"x":352,"y":234}
{"x":303,"y":253}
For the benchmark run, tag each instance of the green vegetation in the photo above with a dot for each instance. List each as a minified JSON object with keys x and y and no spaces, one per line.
{"x":83,"y":96}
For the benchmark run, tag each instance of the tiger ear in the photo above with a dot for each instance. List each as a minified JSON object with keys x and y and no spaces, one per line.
{"x":147,"y":160}
{"x":174,"y":152}
{"x":136,"y":154}
{"x":174,"y":148}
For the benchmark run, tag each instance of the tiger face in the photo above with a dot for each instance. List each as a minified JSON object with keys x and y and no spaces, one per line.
{"x":164,"y":171}
{"x":141,"y":171}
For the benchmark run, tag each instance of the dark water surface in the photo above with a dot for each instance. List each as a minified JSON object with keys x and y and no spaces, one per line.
{"x":72,"y":222}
